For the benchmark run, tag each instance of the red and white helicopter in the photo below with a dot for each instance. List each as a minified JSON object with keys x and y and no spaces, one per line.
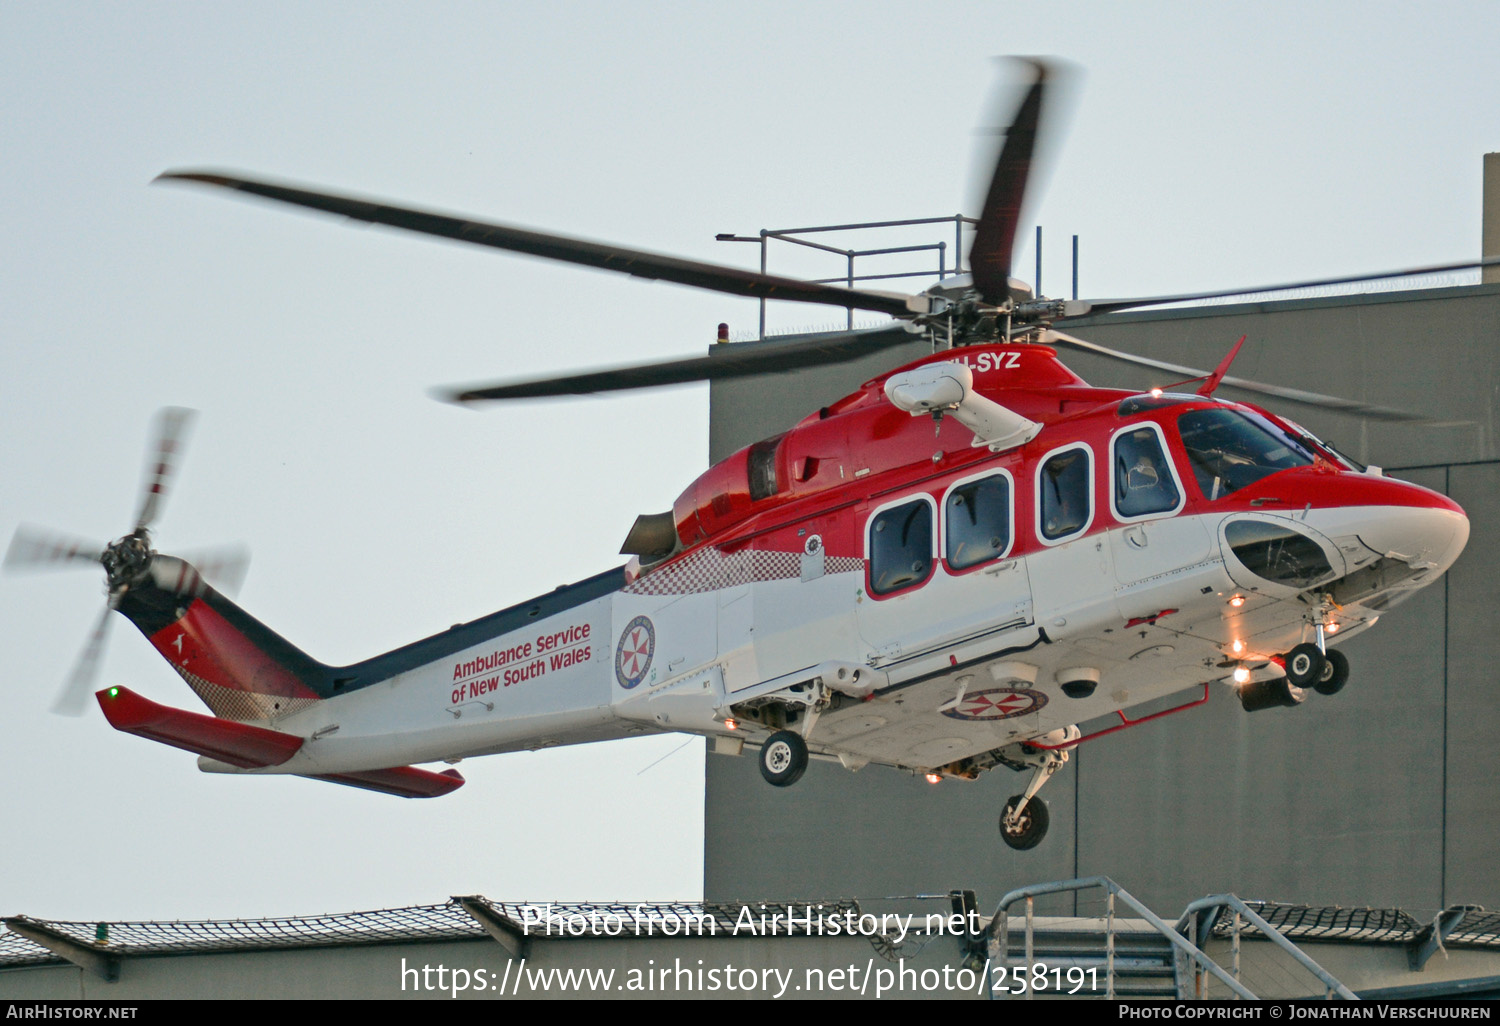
{"x":945,"y":571}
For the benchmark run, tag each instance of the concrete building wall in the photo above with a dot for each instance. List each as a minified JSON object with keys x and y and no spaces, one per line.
{"x":1490,"y":235}
{"x":1383,"y":795}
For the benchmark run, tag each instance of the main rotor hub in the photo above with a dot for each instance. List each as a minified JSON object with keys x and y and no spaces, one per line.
{"x":126,"y":560}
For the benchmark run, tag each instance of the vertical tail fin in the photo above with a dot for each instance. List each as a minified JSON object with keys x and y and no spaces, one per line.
{"x":240,"y":668}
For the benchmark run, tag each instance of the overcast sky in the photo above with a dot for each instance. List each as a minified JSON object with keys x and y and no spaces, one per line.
{"x":1205,"y":149}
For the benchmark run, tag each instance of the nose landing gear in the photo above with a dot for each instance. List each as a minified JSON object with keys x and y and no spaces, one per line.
{"x":1307,"y":666}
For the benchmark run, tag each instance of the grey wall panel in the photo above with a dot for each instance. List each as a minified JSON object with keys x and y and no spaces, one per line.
{"x":1343,"y":800}
{"x":1435,"y":352}
{"x":873,"y":834}
{"x":1310,"y":804}
{"x":1473,"y":696}
{"x":745,"y":410}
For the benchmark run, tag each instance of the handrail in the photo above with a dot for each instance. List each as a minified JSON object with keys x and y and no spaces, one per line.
{"x":849,"y":278}
{"x":1218,"y":901}
{"x":999,"y":927}
{"x":1125,"y":721}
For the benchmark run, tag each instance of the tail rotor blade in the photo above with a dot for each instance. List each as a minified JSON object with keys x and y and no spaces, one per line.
{"x":74,"y":696}
{"x":223,"y":567}
{"x":172,"y":426}
{"x":33,"y":548}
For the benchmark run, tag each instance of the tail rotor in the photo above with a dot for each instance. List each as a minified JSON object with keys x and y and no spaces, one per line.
{"x":128,"y":561}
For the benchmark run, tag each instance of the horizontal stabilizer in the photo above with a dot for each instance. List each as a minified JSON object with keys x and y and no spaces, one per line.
{"x":238,"y":744}
{"x":402,"y":781}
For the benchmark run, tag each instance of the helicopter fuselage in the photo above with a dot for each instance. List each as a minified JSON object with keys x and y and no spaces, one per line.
{"x":887,"y":588}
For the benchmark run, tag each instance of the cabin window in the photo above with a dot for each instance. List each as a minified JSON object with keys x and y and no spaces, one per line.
{"x":900,"y":547}
{"x":1063,"y":496}
{"x":977,"y":521}
{"x":1143,"y":481}
{"x":1230,"y":449}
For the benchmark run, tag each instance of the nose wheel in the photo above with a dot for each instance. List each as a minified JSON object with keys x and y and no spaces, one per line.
{"x":1305,"y":665}
{"x":1335,"y":673}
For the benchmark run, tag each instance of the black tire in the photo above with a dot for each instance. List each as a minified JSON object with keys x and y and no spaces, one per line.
{"x":783,"y":758}
{"x":1277,"y":693}
{"x":1032,"y":827}
{"x":1304,"y":665}
{"x":1335,"y":673}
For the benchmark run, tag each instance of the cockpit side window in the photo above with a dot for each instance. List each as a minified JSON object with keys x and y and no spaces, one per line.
{"x":1063,"y":494}
{"x":1142,"y":476}
{"x":900,"y":547}
{"x":1230,"y":449}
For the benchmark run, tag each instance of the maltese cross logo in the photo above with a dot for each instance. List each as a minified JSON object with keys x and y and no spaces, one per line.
{"x":633,"y":653}
{"x":998,"y":704}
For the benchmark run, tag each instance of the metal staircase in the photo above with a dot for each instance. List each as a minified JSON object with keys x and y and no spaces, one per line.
{"x":1135,"y":956}
{"x":1144,"y":962}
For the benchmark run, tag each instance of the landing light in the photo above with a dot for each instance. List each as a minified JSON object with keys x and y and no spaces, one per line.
{"x":1237,"y":601}
{"x":1156,"y":393}
{"x":1238,"y":646}
{"x":1332,"y":628}
{"x":933,"y":778}
{"x":1242,"y":674}
{"x":732,"y":724}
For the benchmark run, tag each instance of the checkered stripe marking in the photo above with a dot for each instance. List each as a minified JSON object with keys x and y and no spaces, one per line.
{"x":710,"y":569}
{"x":241,"y":706}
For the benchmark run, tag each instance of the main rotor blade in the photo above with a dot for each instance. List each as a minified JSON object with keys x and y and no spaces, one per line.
{"x":171,"y":431}
{"x":735,"y":361}
{"x":995,"y":236}
{"x":74,"y":696}
{"x":33,"y":547}
{"x":1098,"y":306}
{"x":732,"y":280}
{"x":1293,"y":395}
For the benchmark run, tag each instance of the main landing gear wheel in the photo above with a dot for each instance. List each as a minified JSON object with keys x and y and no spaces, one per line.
{"x":1270,"y":694}
{"x":1304,"y":665}
{"x":1028,"y":829}
{"x":1335,"y":673}
{"x":783,"y":758}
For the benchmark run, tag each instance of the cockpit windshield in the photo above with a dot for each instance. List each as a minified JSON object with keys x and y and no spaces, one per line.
{"x":1230,"y":449}
{"x":1312,"y":441}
